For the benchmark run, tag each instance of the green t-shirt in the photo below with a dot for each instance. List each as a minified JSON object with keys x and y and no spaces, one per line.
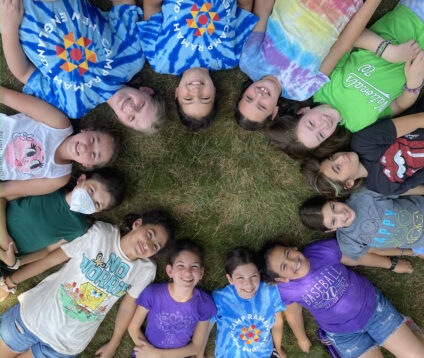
{"x":35,"y":222}
{"x":363,"y":85}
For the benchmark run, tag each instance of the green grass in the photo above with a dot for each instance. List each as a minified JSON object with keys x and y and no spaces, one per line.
{"x":226,"y":188}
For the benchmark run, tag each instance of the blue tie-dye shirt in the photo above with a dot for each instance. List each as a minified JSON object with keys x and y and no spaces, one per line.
{"x":82,"y":55}
{"x":244,"y":325}
{"x":196,"y":33}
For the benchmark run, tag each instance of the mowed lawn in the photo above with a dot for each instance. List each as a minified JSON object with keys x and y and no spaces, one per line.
{"x":225,"y":187}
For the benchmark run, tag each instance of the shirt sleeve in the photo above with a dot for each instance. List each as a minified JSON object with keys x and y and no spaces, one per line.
{"x":75,"y":247}
{"x":146,"y":298}
{"x":124,"y":19}
{"x":149,"y":33}
{"x":143,"y":278}
{"x":207,"y":308}
{"x":251,"y":55}
{"x":276,"y":299}
{"x":350,"y":247}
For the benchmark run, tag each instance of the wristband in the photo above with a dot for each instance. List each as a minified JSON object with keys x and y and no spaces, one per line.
{"x":394,"y":262}
{"x":382,"y":47}
{"x":15,"y":265}
{"x":414,"y":91}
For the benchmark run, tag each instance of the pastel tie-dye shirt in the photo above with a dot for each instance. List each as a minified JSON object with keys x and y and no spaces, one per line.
{"x":299,"y":35}
{"x":196,"y":33}
{"x":83,"y":55}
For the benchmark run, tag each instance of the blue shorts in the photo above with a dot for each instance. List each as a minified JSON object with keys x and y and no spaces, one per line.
{"x":419,"y":250}
{"x":382,"y":324}
{"x":19,"y":339}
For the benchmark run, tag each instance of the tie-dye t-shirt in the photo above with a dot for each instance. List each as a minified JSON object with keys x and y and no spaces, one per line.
{"x":244,"y":325}
{"x":363,"y":85}
{"x":171,"y":324}
{"x":28,"y":148}
{"x":339,"y":299}
{"x":67,"y":307}
{"x":298,"y":36}
{"x":82,"y":55}
{"x":196,"y":33}
{"x":382,"y":222}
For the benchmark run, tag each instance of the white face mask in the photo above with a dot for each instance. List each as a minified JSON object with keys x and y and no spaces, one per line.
{"x":81,"y":202}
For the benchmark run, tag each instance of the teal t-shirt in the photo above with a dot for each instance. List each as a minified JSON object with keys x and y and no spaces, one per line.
{"x":363,"y":85}
{"x":35,"y":222}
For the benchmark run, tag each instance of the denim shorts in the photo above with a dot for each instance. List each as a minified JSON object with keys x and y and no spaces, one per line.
{"x":19,"y":339}
{"x":382,"y":324}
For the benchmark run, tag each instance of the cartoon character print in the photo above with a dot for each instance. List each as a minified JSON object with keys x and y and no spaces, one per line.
{"x":25,"y":154}
{"x":403,"y":159}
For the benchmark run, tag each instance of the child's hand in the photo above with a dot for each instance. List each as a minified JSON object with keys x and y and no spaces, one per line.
{"x":146,"y":350}
{"x":106,"y":351}
{"x":281,"y":352}
{"x":420,"y":256}
{"x":305,"y":345}
{"x":414,"y":71}
{"x":8,"y":256}
{"x":12,"y":12}
{"x":406,"y":51}
{"x":403,"y":266}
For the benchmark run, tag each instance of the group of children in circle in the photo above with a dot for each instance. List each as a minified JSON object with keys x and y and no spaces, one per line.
{"x":72,"y":57}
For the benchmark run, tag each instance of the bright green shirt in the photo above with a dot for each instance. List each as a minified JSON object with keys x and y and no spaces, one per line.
{"x":363,"y":85}
{"x":35,"y":222}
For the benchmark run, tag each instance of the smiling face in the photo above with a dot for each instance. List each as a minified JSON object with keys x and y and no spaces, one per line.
{"x":288,"y":263}
{"x":186,"y":271}
{"x":97,"y":191}
{"x":143,"y":241}
{"x":337,"y":215}
{"x":317,"y":124}
{"x":134,"y":107}
{"x":196,"y":93}
{"x":88,"y":148}
{"x":246,"y":280}
{"x":260,"y":99}
{"x":342,"y":166}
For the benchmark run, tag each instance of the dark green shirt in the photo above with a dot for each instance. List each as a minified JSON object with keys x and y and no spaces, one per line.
{"x":35,"y":222}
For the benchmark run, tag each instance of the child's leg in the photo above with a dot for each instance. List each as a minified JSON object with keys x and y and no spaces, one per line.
{"x":245,"y":4}
{"x":26,"y":354}
{"x":374,"y":352}
{"x":6,"y":352}
{"x":404,"y":344}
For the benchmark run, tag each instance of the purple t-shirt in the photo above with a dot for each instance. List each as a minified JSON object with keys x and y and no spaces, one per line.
{"x":171,"y":324}
{"x":339,"y":299}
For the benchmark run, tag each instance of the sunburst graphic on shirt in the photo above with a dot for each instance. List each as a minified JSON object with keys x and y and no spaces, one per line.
{"x":202,"y":19}
{"x":250,"y":335}
{"x":76,"y":51}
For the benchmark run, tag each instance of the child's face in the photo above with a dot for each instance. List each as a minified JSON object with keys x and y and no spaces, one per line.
{"x":260,"y":99}
{"x":97,"y":191}
{"x":196,"y":92}
{"x":317,"y":124}
{"x":337,"y":215}
{"x":288,"y":263}
{"x":246,"y":280}
{"x":186,"y":271}
{"x":89,"y":148}
{"x":134,"y":108}
{"x":144,"y":241}
{"x":342,"y":166}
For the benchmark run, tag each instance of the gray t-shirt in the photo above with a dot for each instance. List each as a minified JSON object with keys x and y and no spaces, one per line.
{"x":382,"y":222}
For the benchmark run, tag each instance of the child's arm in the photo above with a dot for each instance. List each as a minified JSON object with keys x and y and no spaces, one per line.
{"x":201,"y":354}
{"x":123,"y":317}
{"x":14,"y":189}
{"x":35,"y":108}
{"x":406,"y":51}
{"x":123,"y":2}
{"x":54,"y":258}
{"x":11,"y":17}
{"x":294,"y":318}
{"x":348,"y":36}
{"x":408,"y":124}
{"x":418,"y":190}
{"x":277,"y":334}
{"x":134,"y":328}
{"x":414,"y":73}
{"x":374,"y":260}
{"x":263,"y":10}
{"x":391,"y":252}
{"x":245,"y":4}
{"x":146,"y":350}
{"x":5,"y":238}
